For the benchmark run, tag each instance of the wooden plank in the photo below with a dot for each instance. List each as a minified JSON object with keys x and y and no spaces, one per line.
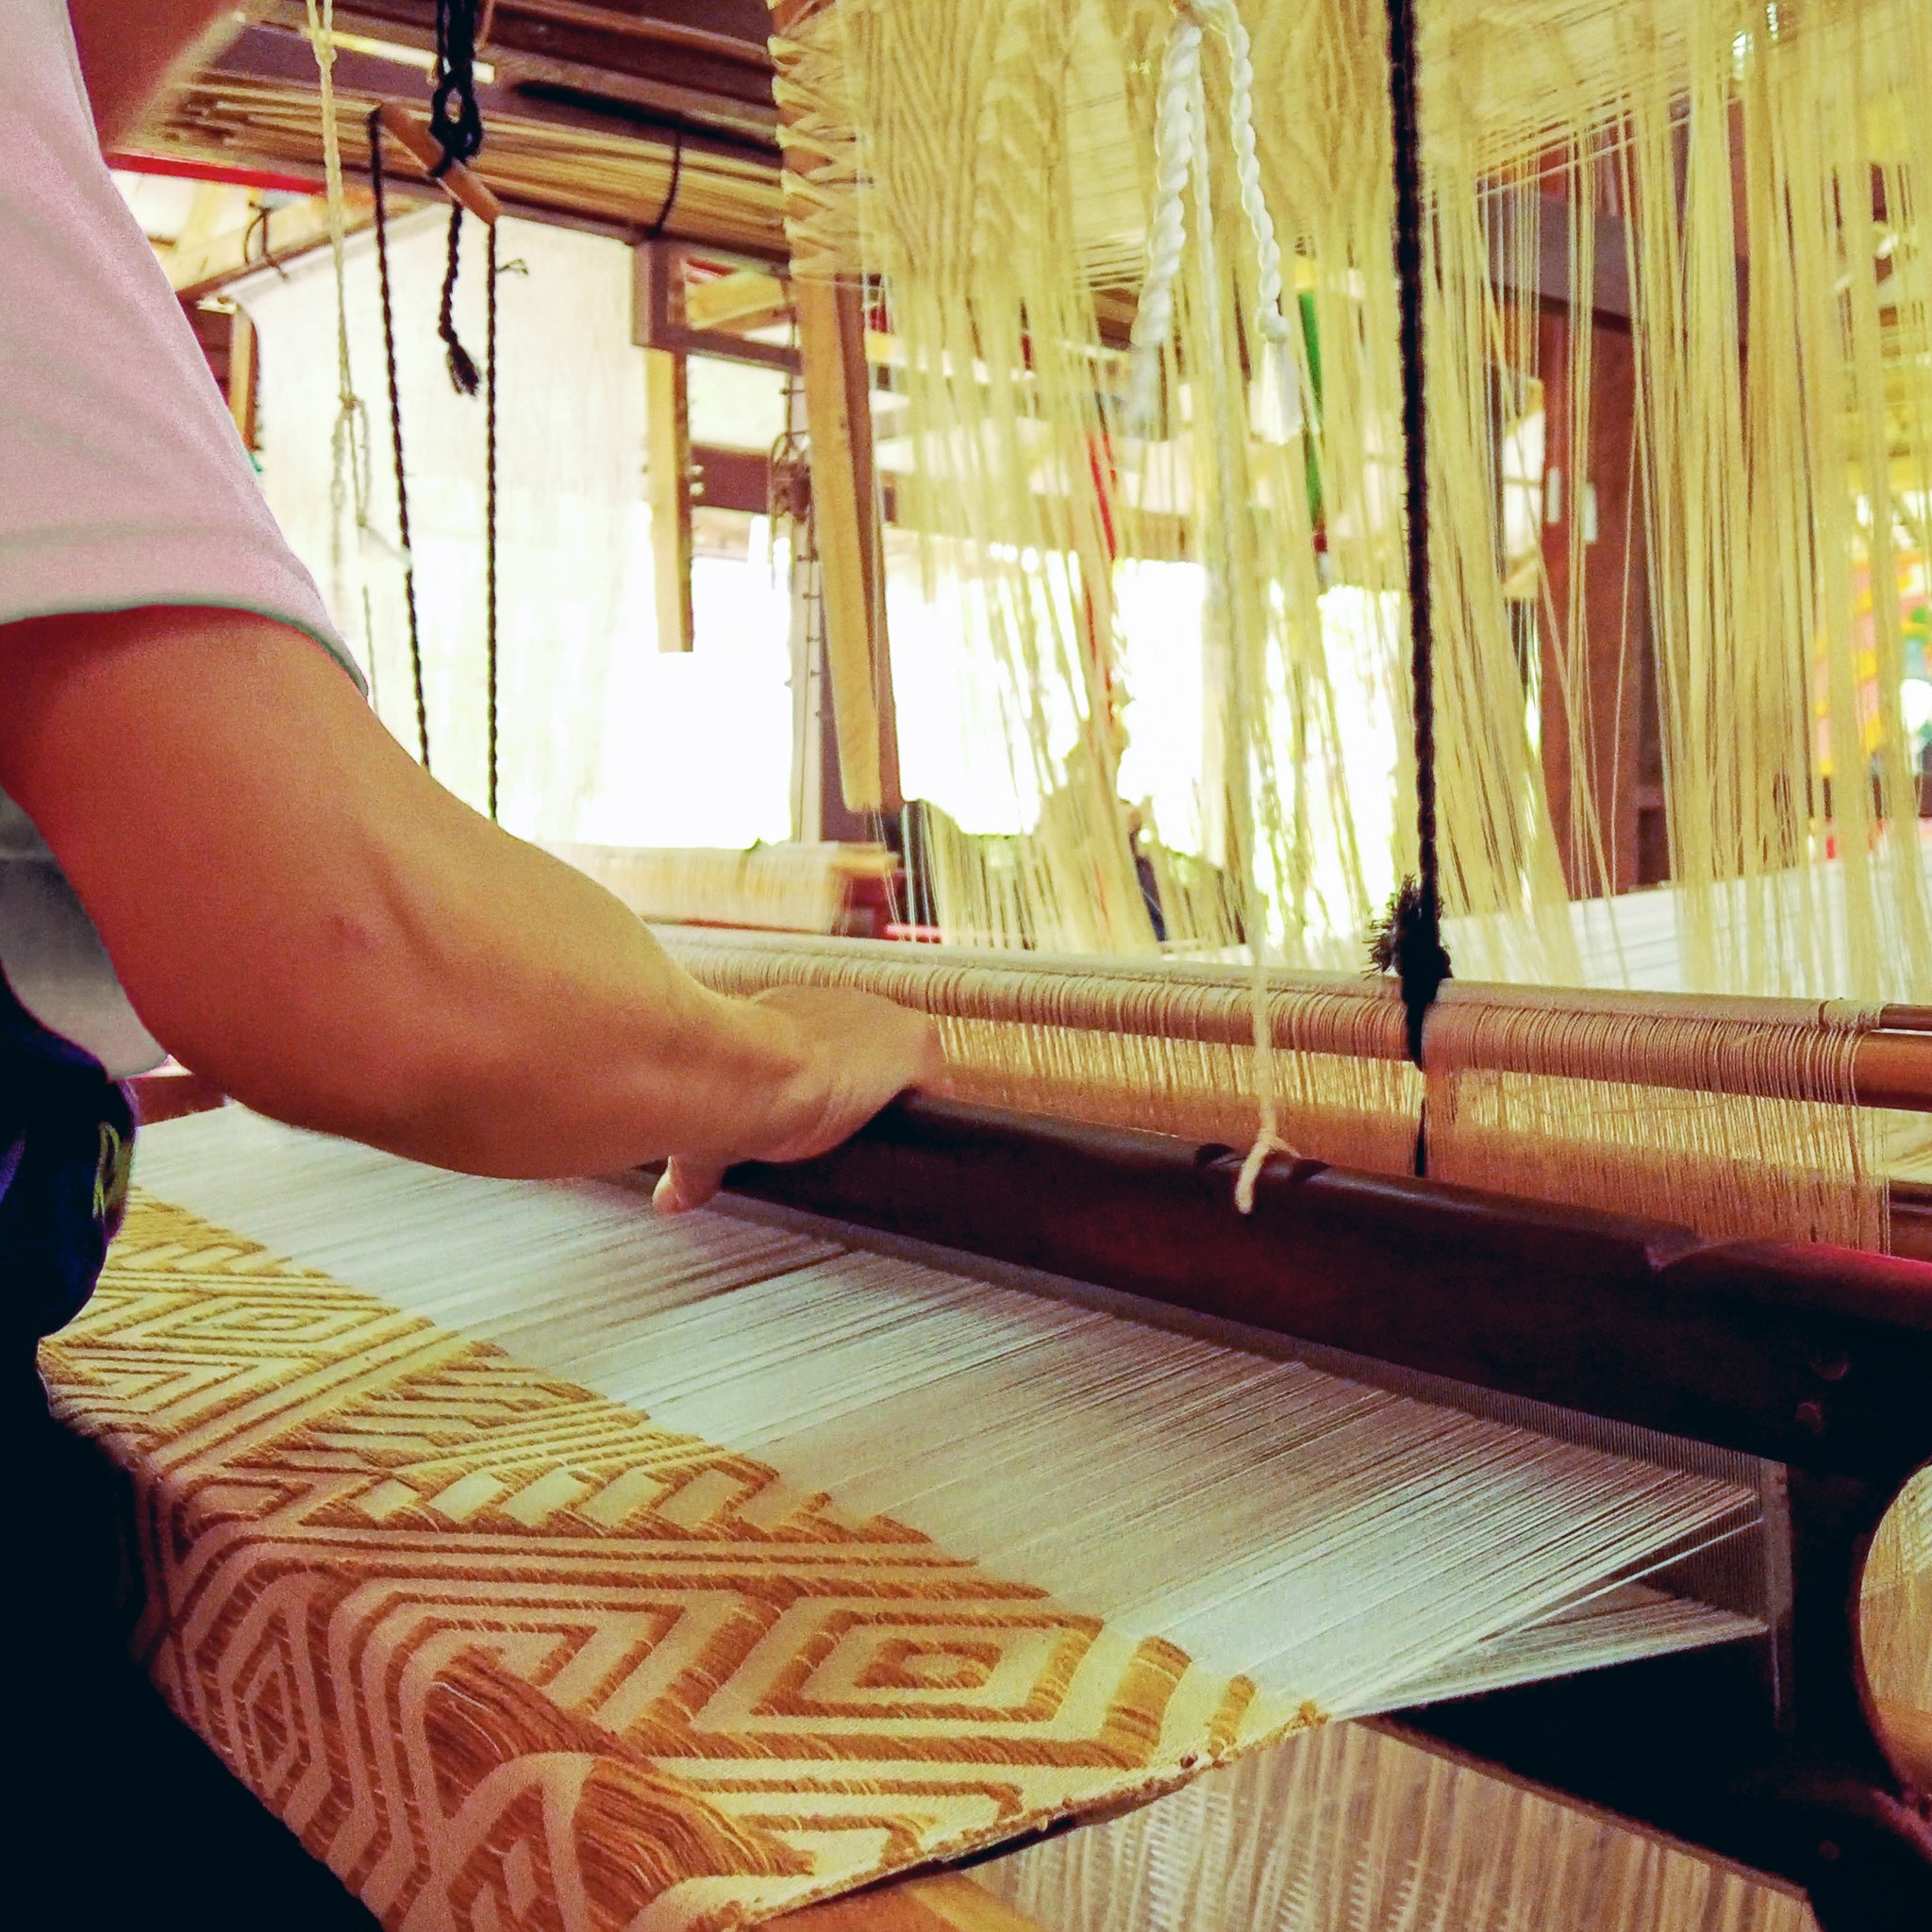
{"x":739,"y":479}
{"x":242,"y":378}
{"x":1737,"y":1345}
{"x":745,"y":299}
{"x":667,"y":447}
{"x":946,"y":1902}
{"x":831,"y":338}
{"x":205,"y":265}
{"x":1594,"y":809}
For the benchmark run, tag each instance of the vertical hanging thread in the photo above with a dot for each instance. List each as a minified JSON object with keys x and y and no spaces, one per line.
{"x":489,"y":511}
{"x":1410,"y":941}
{"x":395,"y":424}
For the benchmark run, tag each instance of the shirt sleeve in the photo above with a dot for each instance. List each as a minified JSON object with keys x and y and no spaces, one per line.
{"x":122,"y":481}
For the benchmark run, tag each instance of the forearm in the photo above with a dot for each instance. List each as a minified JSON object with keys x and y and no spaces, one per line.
{"x":129,"y":48}
{"x":484,"y":1007}
{"x":299,"y":913}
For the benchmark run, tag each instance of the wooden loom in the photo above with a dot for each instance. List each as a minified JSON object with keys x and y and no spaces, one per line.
{"x":1814,"y":1359}
{"x":1635,"y":1326}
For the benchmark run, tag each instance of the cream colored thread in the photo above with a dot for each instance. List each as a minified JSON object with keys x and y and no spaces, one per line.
{"x":349,"y":443}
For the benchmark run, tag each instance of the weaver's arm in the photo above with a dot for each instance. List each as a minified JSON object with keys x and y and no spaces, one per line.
{"x":129,"y":47}
{"x":297,"y":909}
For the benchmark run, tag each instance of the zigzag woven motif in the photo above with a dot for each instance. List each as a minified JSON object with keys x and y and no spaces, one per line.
{"x":504,"y":1654}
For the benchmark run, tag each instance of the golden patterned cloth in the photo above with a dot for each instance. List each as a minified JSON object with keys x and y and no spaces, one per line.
{"x":504,"y":1654}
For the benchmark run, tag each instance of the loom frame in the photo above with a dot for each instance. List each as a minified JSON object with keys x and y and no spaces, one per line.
{"x":1819,"y":1359}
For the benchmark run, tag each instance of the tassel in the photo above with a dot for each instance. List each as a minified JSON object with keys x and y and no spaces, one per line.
{"x":1275,"y":399}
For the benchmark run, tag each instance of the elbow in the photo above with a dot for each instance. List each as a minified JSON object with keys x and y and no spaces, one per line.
{"x":351,"y":1034}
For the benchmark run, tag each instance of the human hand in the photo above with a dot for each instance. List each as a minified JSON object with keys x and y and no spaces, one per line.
{"x":861,"y":1052}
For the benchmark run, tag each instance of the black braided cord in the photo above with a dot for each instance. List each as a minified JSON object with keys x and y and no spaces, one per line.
{"x":462,"y":367}
{"x":455,"y":118}
{"x":456,"y":123}
{"x":395,"y":424}
{"x":667,"y":207}
{"x":1410,"y":941}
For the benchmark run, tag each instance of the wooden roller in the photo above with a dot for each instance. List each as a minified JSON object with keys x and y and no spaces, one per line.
{"x":1475,"y":1025}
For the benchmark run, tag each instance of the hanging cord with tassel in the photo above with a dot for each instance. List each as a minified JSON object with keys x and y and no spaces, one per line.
{"x":1181,"y":158}
{"x":395,"y":424}
{"x":456,"y":123}
{"x":1409,"y":942}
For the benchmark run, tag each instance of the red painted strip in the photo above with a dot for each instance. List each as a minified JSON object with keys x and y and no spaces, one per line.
{"x":214,"y":171}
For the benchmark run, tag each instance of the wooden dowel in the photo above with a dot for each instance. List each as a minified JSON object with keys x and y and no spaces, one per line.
{"x":457,"y":181}
{"x":1894,"y":1069}
{"x":1891,"y":1067}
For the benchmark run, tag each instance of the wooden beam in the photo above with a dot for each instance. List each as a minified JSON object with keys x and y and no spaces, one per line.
{"x":205,"y":265}
{"x":739,"y":479}
{"x":838,"y":388}
{"x":667,"y":447}
{"x":746,"y":299}
{"x":1593,"y":692}
{"x":946,"y":1902}
{"x":242,"y":378}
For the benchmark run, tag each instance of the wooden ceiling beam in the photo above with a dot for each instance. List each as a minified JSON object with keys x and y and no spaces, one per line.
{"x":273,"y":52}
{"x":598,"y":161}
{"x":709,"y":74}
{"x":202,"y":266}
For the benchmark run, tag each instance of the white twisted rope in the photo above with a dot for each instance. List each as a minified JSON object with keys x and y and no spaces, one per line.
{"x":1174,"y":157}
{"x":1277,"y":401}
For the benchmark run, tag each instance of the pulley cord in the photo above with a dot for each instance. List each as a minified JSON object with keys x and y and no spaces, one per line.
{"x":395,"y":424}
{"x":456,"y":123}
{"x":1409,"y":940}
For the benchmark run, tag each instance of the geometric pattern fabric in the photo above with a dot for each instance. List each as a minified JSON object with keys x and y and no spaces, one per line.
{"x":505,"y":1656}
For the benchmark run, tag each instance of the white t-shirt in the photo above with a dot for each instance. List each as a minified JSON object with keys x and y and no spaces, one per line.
{"x":122,"y":481}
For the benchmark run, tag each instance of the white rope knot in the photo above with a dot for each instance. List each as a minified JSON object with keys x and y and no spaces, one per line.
{"x":1179,"y":150}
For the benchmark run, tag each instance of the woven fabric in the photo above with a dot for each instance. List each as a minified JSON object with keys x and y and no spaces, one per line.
{"x":504,"y":1654}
